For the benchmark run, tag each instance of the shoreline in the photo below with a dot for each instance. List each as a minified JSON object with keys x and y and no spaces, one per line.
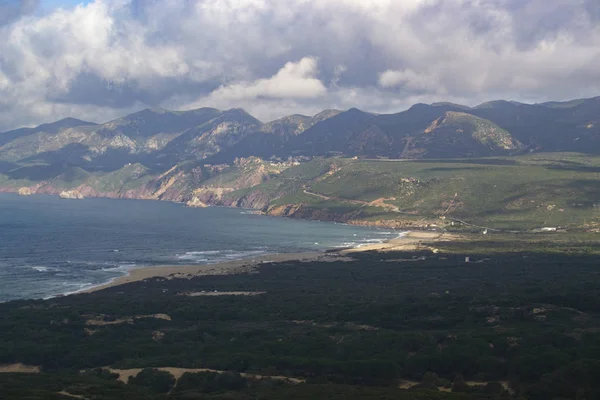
{"x":254,"y":211}
{"x":407,"y":241}
{"x":241,"y":266}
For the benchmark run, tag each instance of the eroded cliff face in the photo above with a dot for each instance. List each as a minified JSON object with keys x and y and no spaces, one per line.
{"x":172,"y":187}
{"x":200,"y":184}
{"x":71,"y":194}
{"x":196,"y":203}
{"x":303,"y":211}
{"x":237,"y":185}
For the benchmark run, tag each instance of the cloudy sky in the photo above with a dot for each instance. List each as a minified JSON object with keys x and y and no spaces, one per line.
{"x":101,"y":59}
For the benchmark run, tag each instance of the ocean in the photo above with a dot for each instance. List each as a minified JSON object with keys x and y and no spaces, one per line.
{"x":51,"y":246}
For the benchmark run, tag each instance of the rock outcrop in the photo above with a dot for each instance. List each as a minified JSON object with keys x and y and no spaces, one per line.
{"x":196,"y":203}
{"x":25,"y":191}
{"x":71,"y":194}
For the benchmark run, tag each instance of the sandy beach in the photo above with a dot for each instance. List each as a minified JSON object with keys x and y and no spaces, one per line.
{"x":231,"y":267}
{"x":410,"y":241}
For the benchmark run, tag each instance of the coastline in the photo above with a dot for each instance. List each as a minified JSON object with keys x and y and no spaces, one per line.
{"x":256,"y":211}
{"x":409,"y":241}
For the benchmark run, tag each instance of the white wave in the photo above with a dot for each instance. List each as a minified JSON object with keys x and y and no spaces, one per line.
{"x":197,"y":253}
{"x":191,"y":257}
{"x":244,"y":254}
{"x":346,"y":245}
{"x":81,"y":287}
{"x":120,"y":267}
{"x":216,"y":256}
{"x":41,"y":269}
{"x":106,"y":264}
{"x":84,"y":285}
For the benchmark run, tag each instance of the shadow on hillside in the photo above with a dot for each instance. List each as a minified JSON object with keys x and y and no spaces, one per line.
{"x":477,"y":161}
{"x":589,"y":189}
{"x":579,"y":168}
{"x":66,"y":172}
{"x":445,"y":169}
{"x":71,"y":154}
{"x":74,"y":154}
{"x":6,"y":166}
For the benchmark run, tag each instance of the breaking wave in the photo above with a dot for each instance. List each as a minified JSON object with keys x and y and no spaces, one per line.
{"x":216,"y":256}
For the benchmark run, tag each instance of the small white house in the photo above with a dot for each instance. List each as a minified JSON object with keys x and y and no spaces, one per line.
{"x":548,"y":229}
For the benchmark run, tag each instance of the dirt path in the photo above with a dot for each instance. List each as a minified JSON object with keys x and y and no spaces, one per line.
{"x":407,"y":384}
{"x":75,"y":396}
{"x":381,"y":202}
{"x":19,"y":368}
{"x":125,"y":374}
{"x":215,"y":293}
{"x":324,"y":197}
{"x":317,"y":195}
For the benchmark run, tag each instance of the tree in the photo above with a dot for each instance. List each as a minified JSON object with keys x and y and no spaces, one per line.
{"x":153,"y":379}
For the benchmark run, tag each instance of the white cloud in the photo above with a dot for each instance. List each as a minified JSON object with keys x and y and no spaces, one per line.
{"x":294,"y":80}
{"x":411,"y":80}
{"x":109,"y":57}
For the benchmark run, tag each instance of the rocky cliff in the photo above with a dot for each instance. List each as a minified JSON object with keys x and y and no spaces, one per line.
{"x":70,"y":194}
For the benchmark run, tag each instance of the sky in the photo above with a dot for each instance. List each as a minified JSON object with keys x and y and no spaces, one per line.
{"x":51,"y":5}
{"x":101,"y":59}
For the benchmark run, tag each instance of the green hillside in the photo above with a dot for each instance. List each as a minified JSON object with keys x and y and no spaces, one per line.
{"x":518,"y":193}
{"x":508,"y":193}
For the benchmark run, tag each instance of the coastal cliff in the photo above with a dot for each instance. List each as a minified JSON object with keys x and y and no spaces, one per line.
{"x":380,"y":193}
{"x":196,"y":203}
{"x":71,"y":195}
{"x":24,"y":191}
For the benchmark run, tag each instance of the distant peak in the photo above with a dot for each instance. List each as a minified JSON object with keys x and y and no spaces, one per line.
{"x":64,"y":123}
{"x":201,"y":109}
{"x":498,"y":104}
{"x":153,"y":110}
{"x":451,"y":105}
{"x":356,"y":111}
{"x":239,"y":114}
{"x":290,"y":118}
{"x":419,"y":106}
{"x":238,"y":111}
{"x":328,"y":113}
{"x":71,"y":120}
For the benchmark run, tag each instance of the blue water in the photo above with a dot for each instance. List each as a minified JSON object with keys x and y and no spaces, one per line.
{"x":51,"y":246}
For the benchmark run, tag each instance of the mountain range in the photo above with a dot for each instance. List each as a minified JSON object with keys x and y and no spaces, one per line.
{"x":440,"y":130}
{"x":229,"y":157}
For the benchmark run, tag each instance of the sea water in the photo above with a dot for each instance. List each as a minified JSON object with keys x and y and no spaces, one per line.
{"x":51,"y":246}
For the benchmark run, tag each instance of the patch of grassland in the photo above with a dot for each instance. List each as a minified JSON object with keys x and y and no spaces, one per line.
{"x":508,"y":193}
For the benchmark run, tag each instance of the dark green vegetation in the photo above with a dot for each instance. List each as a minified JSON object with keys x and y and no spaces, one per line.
{"x":523,"y":315}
